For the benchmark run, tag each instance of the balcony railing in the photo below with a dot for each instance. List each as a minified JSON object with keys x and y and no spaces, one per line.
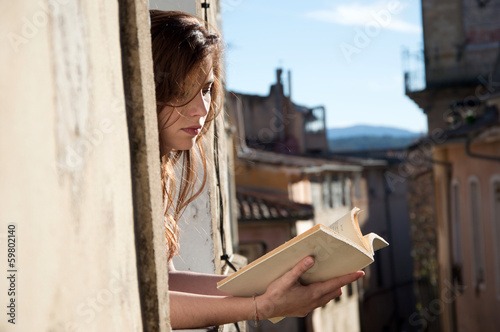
{"x":474,"y":68}
{"x":414,"y":70}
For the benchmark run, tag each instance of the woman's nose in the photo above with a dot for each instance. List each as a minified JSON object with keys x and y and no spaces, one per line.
{"x":198,"y":106}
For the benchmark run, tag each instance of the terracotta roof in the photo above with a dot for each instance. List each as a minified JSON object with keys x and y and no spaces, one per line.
{"x":254,"y":205}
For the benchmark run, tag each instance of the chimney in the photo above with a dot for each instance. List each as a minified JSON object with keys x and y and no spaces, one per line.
{"x":290,"y":85}
{"x":279,"y":105}
{"x":278,"y":76}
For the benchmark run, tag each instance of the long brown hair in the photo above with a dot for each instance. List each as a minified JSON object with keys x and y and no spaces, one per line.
{"x":180,"y":44}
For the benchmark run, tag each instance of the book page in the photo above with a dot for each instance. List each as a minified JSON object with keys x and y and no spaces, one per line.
{"x":348,"y":227}
{"x":375,"y":241}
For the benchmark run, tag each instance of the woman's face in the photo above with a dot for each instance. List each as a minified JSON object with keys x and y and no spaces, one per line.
{"x":179,"y":126}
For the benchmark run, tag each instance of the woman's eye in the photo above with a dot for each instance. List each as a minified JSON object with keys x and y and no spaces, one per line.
{"x":207,"y":89}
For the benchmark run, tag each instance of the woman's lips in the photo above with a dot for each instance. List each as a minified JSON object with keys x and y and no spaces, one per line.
{"x":194,"y":131}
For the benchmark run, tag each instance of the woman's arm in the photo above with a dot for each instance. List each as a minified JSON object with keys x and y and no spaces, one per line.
{"x":189,"y":310}
{"x":284,"y":297}
{"x":193,"y":282}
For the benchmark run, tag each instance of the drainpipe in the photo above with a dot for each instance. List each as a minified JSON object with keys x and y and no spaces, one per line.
{"x":476,"y":155}
{"x":449,"y":173}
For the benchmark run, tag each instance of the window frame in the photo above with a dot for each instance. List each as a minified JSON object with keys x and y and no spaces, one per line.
{"x":477,"y":247}
{"x":495,"y":218}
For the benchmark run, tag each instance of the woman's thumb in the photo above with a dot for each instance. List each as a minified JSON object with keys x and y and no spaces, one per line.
{"x":299,"y":269}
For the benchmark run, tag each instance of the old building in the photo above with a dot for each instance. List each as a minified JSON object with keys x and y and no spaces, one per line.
{"x":282,"y":192}
{"x":461,"y":100}
{"x":387,"y":299}
{"x":317,"y":188}
{"x":309,"y":191}
{"x":275,"y":123}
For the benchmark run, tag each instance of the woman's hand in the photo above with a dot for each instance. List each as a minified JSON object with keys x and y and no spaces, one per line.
{"x":284,"y":297}
{"x":287,"y":297}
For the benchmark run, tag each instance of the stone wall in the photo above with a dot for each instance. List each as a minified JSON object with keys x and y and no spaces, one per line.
{"x":66,"y":183}
{"x":461,"y":40}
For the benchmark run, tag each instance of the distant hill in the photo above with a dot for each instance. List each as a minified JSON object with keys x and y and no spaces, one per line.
{"x":363,"y":137}
{"x":365,"y":130}
{"x":360,"y":143}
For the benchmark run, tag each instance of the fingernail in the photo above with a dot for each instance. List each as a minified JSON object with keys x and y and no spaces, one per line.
{"x":309,"y":261}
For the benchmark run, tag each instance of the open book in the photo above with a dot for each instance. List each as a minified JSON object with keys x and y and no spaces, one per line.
{"x":338,"y":250}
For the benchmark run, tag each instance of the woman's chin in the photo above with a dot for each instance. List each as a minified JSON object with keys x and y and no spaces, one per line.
{"x":180,"y":145}
{"x":184,"y":147}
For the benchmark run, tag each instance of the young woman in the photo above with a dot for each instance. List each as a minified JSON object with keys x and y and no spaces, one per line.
{"x":187,"y":60}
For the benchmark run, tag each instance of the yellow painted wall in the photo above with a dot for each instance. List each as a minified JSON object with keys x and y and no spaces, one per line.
{"x":271,"y":177}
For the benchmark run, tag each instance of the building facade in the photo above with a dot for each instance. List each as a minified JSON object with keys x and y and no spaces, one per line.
{"x":460,"y":98}
{"x":387,"y":299}
{"x":329,"y":187}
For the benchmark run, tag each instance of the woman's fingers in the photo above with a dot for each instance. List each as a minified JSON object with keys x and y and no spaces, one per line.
{"x":324,"y":292}
{"x":329,"y":296}
{"x":288,"y":297}
{"x":335,"y":283}
{"x":342,"y":280}
{"x":332,"y":288}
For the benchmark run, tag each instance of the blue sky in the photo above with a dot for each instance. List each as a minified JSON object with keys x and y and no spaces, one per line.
{"x":345,"y":55}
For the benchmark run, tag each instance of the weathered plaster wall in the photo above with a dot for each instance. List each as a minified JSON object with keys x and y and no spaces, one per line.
{"x":184,"y":6}
{"x":66,"y":181}
{"x":138,"y":82}
{"x":197,"y":250}
{"x":476,"y":307}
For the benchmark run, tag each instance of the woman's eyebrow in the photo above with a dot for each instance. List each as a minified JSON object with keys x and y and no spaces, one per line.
{"x":209,"y":82}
